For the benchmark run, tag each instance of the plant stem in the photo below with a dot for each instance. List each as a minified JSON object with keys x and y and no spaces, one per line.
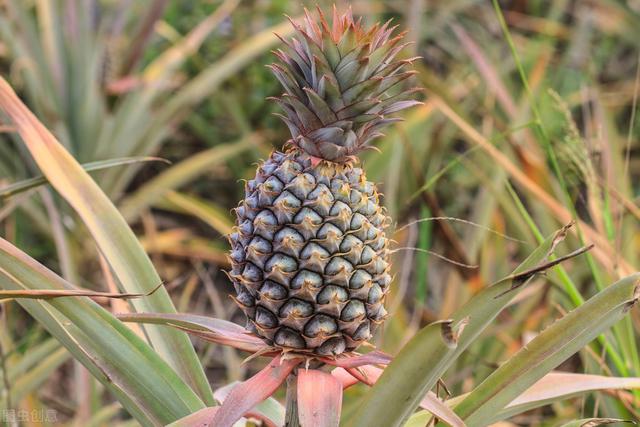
{"x":291,"y":411}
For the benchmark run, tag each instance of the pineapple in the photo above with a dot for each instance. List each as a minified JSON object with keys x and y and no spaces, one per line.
{"x":309,"y":256}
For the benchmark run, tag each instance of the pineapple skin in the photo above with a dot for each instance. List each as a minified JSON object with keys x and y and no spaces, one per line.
{"x":309,"y":255}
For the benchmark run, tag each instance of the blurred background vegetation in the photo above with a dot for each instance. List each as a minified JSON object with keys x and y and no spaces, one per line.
{"x":525,"y":126}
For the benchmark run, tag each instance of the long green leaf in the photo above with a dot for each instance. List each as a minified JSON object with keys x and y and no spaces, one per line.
{"x":550,"y":348}
{"x":424,"y":359}
{"x":219,"y":219}
{"x":180,"y":174}
{"x":27,"y":184}
{"x":143,"y":382}
{"x":115,"y":239}
{"x":553,"y":387}
{"x":80,"y":347}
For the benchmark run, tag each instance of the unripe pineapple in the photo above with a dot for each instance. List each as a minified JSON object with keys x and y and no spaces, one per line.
{"x":309,"y":255}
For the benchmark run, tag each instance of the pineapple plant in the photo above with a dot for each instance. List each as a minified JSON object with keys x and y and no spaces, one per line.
{"x":310,"y":259}
{"x":161,"y":383}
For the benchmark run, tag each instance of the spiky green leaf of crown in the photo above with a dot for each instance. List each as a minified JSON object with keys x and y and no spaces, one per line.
{"x":336,"y":80}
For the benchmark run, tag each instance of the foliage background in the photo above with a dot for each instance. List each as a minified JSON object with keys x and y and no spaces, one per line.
{"x":562,"y":113}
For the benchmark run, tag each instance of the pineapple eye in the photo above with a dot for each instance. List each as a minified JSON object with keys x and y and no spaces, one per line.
{"x":309,"y":216}
{"x":321,"y":324}
{"x":281,"y":262}
{"x":245,"y":299}
{"x":329,"y":231}
{"x":341,"y":215}
{"x":354,"y":310}
{"x":306,"y":278}
{"x":332,"y":347}
{"x":368,"y":255}
{"x":332,"y":294}
{"x":352,"y":247}
{"x":285,"y":206}
{"x":251,"y":273}
{"x":246,"y":227}
{"x":273,"y":185}
{"x":288,"y":170}
{"x":296,"y":308}
{"x":384,"y":280}
{"x":363,"y":332}
{"x":287,"y":338}
{"x":329,"y":237}
{"x":258,"y":246}
{"x":273,"y":290}
{"x":375,"y":294}
{"x":289,"y":241}
{"x":338,"y":265}
{"x":359,"y":279}
{"x":302,"y":185}
{"x":237,"y":255}
{"x":265,"y":318}
{"x":313,"y":257}
{"x":265,"y":223}
{"x":379,"y":314}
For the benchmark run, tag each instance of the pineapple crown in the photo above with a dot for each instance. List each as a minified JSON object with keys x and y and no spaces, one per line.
{"x":336,"y":79}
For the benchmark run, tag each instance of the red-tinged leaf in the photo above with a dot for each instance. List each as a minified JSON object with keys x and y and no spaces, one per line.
{"x":373,"y":358}
{"x":270,"y":408}
{"x":349,"y":376}
{"x":566,"y":384}
{"x":432,"y":403}
{"x":345,"y":378}
{"x":208,"y":328}
{"x":249,"y":393}
{"x":370,"y":374}
{"x":245,"y":343}
{"x":484,"y":65}
{"x":319,"y":398}
{"x":204,"y":418}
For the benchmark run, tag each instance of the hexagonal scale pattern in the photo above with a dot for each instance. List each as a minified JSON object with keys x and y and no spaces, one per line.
{"x":309,"y":255}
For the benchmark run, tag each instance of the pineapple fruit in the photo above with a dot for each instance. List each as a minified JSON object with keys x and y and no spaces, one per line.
{"x":309,"y":256}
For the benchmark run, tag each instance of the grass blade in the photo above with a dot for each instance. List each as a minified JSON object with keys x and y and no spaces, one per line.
{"x":564,"y":385}
{"x":115,"y":239}
{"x":216,"y":217}
{"x":27,"y":184}
{"x":549,"y":349}
{"x":430,"y":402}
{"x":180,"y":174}
{"x":143,"y":382}
{"x":408,"y":378}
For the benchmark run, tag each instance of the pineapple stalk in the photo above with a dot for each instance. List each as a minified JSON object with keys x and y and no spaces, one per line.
{"x":310,"y":258}
{"x":291,"y":406}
